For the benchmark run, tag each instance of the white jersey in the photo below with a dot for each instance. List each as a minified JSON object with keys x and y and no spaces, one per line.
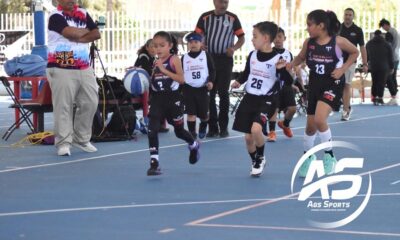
{"x":262,"y":77}
{"x":195,"y":70}
{"x":286,"y":55}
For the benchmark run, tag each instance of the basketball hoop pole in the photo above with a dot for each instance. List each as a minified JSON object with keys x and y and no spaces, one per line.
{"x":94,"y":52}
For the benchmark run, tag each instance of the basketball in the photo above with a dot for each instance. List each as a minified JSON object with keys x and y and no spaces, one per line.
{"x":136,"y":81}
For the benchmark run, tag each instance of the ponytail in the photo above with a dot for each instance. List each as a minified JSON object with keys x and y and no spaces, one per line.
{"x":328,"y":18}
{"x":171,"y":39}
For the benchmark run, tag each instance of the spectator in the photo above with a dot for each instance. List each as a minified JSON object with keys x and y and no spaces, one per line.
{"x":353,"y":33}
{"x":72,"y":79}
{"x":392,"y":78}
{"x":380,"y":60}
{"x":219,"y":28}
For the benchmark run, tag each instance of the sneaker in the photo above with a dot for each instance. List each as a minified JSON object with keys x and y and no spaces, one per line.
{"x":271,"y":136}
{"x":329,"y":163}
{"x":163,"y":130}
{"x":392,"y":102}
{"x":224,"y":133}
{"x":375,"y":102}
{"x":87,"y":147}
{"x":194,"y":155}
{"x":346,"y":115}
{"x":202,"y":131}
{"x":379,"y":101}
{"x":257,"y":167}
{"x":194,"y":135}
{"x":306,"y":164}
{"x":212,"y":134}
{"x":154,"y":169}
{"x":64,"y":150}
{"x":286,"y":130}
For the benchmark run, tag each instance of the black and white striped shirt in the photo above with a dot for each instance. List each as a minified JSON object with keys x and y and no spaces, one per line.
{"x":219,"y":30}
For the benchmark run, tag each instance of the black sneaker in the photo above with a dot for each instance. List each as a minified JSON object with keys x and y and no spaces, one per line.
{"x":194,"y":153}
{"x":224,"y":133}
{"x":194,"y":135}
{"x":202,"y":130}
{"x":212,"y":134}
{"x":154,"y":169}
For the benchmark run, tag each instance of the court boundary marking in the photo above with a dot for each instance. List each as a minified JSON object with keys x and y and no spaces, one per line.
{"x":169,"y":146}
{"x":202,"y":222}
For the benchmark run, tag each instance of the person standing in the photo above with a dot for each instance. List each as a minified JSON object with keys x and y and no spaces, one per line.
{"x":392,"y":79}
{"x":219,"y":28}
{"x":355,"y":35}
{"x":72,"y":79}
{"x":380,"y":60}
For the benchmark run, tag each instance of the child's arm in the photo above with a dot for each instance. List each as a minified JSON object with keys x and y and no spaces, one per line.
{"x":176,"y":62}
{"x":353,"y":52}
{"x":301,"y":57}
{"x":244,"y":75}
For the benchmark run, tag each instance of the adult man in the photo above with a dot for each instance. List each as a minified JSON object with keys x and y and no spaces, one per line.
{"x":355,"y":35}
{"x":71,"y":78}
{"x":219,"y":28}
{"x":392,"y":79}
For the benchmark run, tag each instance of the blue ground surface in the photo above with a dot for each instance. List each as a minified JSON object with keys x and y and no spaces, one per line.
{"x":107,"y":195}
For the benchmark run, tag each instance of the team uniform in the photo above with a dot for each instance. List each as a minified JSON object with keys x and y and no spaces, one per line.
{"x":286,"y":96}
{"x":166,"y":103}
{"x":261,"y":87}
{"x":197,"y":67}
{"x":322,"y":60}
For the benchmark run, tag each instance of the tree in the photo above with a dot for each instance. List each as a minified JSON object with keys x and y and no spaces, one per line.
{"x":15,"y":6}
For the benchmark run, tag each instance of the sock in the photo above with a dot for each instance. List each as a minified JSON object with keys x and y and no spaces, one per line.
{"x":326,"y":137}
{"x":330,"y":152}
{"x":193,"y":145}
{"x":272,"y":125}
{"x":308,"y":142}
{"x":286,"y":122}
{"x":264,"y":129}
{"x":191,"y":126}
{"x":260,"y":150}
{"x":253,"y":155}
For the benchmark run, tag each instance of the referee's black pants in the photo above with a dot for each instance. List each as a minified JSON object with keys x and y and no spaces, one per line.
{"x":223,"y":68}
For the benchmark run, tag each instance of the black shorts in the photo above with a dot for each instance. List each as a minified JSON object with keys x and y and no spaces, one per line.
{"x":166,"y":105}
{"x":196,"y":101}
{"x":327,"y":90}
{"x":252,"y":109}
{"x":286,"y":97}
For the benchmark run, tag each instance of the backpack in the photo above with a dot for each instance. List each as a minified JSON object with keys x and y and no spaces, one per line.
{"x":26,"y":65}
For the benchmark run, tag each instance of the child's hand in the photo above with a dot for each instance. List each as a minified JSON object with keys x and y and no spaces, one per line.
{"x":289,"y":67}
{"x":337,"y":73}
{"x":235,"y":84}
{"x":159,"y":64}
{"x":281,"y":64}
{"x":209,"y":86}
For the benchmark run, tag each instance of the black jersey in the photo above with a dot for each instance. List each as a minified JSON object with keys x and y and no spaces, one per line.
{"x":322,"y":60}
{"x":161,"y":82}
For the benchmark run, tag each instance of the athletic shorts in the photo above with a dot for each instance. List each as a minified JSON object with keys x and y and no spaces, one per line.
{"x":327,"y":90}
{"x":196,"y":101}
{"x":166,"y":105}
{"x":252,"y":109}
{"x":349,"y":74}
{"x":286,"y":97}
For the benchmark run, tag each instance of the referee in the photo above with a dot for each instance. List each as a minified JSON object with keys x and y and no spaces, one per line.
{"x":355,"y":35}
{"x":219,"y":28}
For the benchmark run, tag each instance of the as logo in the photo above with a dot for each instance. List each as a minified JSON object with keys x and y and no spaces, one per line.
{"x":268,"y":65}
{"x":328,"y":48}
{"x":338,"y":202}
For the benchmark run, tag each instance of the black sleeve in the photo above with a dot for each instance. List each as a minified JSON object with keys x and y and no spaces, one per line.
{"x":144,"y":63}
{"x":90,"y":23}
{"x":245,"y":74}
{"x":200,"y":25}
{"x":361,"y":38}
{"x":285,"y":76}
{"x":211,"y":68}
{"x":57,"y":23}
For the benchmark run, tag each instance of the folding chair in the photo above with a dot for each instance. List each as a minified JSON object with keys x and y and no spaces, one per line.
{"x":236,"y":94}
{"x":41,"y":104}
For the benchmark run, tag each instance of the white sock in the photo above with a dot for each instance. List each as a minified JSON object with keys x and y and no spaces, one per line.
{"x":155,"y":156}
{"x":308,"y":142}
{"x":193,"y":145}
{"x":326,"y":137}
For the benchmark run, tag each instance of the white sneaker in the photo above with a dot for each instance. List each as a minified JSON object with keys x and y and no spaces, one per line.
{"x":87,"y":147}
{"x":64,"y":150}
{"x":346,"y":115}
{"x":257,"y":167}
{"x":392,"y":102}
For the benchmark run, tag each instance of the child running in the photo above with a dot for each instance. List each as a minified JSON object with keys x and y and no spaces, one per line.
{"x":166,"y":101}
{"x":262,"y":84}
{"x":323,"y":54}
{"x":199,"y":72}
{"x":285,"y":100}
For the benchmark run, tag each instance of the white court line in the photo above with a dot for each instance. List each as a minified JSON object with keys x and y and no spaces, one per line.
{"x":358,"y":137}
{"x":167,"y":230}
{"x":237,"y":210}
{"x":171,"y":146}
{"x":396,"y":182}
{"x":300,"y":229}
{"x":149,"y":205}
